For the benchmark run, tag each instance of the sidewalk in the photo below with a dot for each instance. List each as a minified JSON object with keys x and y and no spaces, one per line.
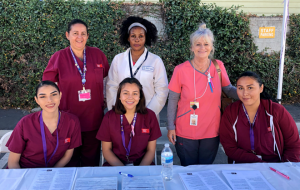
{"x":9,"y":119}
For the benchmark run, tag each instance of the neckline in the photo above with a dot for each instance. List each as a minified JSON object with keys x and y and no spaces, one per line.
{"x":200,"y":71}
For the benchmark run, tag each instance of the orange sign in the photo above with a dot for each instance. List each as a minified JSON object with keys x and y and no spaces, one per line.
{"x":266,"y":32}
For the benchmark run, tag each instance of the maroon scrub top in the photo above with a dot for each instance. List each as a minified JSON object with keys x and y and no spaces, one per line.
{"x":61,"y":68}
{"x":146,"y":129}
{"x":263,"y":138}
{"x":26,"y":140}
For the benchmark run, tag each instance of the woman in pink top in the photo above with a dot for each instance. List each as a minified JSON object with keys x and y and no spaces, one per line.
{"x":196,"y":89}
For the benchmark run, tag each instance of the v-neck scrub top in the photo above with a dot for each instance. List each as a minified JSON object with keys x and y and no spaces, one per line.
{"x":26,"y":140}
{"x":152,"y":75}
{"x":61,"y":68}
{"x":209,"y":114}
{"x":146,"y":129}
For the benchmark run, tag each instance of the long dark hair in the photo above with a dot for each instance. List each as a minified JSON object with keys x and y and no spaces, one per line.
{"x":140,"y":107}
{"x":264,"y":95}
{"x":46,"y":83}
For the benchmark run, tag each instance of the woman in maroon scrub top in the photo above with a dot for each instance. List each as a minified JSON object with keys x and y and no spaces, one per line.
{"x":255,"y":129}
{"x":46,"y":138}
{"x":129,"y":131}
{"x":79,"y":71}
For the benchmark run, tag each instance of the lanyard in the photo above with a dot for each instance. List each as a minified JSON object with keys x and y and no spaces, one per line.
{"x":133,"y":75}
{"x":131,"y":135}
{"x":82,"y":74}
{"x":44,"y":138}
{"x":251,"y":127}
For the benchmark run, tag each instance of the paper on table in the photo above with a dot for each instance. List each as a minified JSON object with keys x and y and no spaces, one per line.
{"x":10,"y":179}
{"x":102,"y":183}
{"x":207,"y":179}
{"x":53,"y":179}
{"x":246,"y":179}
{"x":142,"y":182}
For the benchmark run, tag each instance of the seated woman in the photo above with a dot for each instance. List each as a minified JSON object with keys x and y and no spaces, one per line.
{"x":255,"y":129}
{"x":45,"y":138}
{"x":129,"y":131}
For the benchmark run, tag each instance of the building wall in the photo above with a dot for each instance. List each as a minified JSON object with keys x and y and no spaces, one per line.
{"x":259,"y":7}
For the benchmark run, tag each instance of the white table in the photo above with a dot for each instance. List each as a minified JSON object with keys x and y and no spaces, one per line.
{"x":273,"y":178}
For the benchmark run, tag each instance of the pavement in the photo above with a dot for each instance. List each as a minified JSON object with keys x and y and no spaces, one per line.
{"x":10,"y":117}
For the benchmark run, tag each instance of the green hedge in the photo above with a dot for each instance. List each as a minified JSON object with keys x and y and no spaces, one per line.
{"x":33,"y":30}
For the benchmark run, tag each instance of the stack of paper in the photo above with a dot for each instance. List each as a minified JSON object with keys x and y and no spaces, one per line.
{"x":248,"y":179}
{"x":102,"y":183}
{"x":143,"y":182}
{"x":207,"y":179}
{"x":53,"y":179}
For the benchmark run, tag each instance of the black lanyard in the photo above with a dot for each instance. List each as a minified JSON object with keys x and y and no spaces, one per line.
{"x":133,"y":75}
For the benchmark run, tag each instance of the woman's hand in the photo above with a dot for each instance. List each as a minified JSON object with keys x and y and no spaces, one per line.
{"x":172,"y":136}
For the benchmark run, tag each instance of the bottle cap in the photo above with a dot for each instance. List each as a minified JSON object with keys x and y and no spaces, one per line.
{"x":167,"y":145}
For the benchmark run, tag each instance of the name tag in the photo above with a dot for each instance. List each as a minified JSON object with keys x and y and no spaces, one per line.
{"x":148,"y":68}
{"x":145,"y":130}
{"x":67,"y":140}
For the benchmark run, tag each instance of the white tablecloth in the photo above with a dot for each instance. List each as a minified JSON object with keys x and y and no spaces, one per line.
{"x":277,"y":181}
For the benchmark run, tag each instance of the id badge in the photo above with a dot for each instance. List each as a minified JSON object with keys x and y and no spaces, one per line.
{"x":194,"y":103}
{"x":84,"y":95}
{"x":193,"y":120}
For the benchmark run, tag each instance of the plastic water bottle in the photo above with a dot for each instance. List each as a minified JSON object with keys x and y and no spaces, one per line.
{"x":167,"y":162}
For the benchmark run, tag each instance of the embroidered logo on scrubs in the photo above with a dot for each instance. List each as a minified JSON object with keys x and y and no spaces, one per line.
{"x":148,"y":68}
{"x":145,"y":130}
{"x":67,"y":140}
{"x":99,"y":65}
{"x":269,"y":129}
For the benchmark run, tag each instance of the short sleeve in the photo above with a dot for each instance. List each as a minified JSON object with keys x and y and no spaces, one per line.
{"x":155,"y":132}
{"x":16,"y":142}
{"x":51,"y":71}
{"x":175,"y":83}
{"x":76,"y":135}
{"x":106,"y":65}
{"x":225,"y":78}
{"x":104,"y":131}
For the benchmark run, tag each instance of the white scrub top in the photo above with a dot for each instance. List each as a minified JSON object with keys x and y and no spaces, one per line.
{"x":152,"y":75}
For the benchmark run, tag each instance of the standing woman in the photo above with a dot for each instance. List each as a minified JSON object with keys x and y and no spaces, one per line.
{"x":46,"y":138}
{"x":137,"y":62}
{"x":79,"y":71}
{"x":195,"y":88}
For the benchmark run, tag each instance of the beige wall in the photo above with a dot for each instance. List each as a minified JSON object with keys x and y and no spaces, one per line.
{"x":259,"y":7}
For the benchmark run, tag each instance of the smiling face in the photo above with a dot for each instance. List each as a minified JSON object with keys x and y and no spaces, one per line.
{"x":77,"y":36}
{"x":248,"y":91}
{"x":137,"y":38}
{"x":202,"y":48}
{"x":130,"y":97}
{"x":48,"y":98}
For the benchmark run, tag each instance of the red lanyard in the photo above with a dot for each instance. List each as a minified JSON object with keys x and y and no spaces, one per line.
{"x":44,"y":138}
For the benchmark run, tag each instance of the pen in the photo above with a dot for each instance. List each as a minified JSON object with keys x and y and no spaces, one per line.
{"x":124,"y":174}
{"x":283,"y":175}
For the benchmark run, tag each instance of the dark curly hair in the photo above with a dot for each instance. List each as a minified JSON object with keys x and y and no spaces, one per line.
{"x":151,"y":34}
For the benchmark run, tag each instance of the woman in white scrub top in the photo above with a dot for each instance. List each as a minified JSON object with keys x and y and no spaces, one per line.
{"x":139,"y":63}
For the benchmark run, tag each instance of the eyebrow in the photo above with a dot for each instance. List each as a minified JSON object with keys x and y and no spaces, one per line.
{"x":50,"y":93}
{"x":128,"y":91}
{"x":247,"y":85}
